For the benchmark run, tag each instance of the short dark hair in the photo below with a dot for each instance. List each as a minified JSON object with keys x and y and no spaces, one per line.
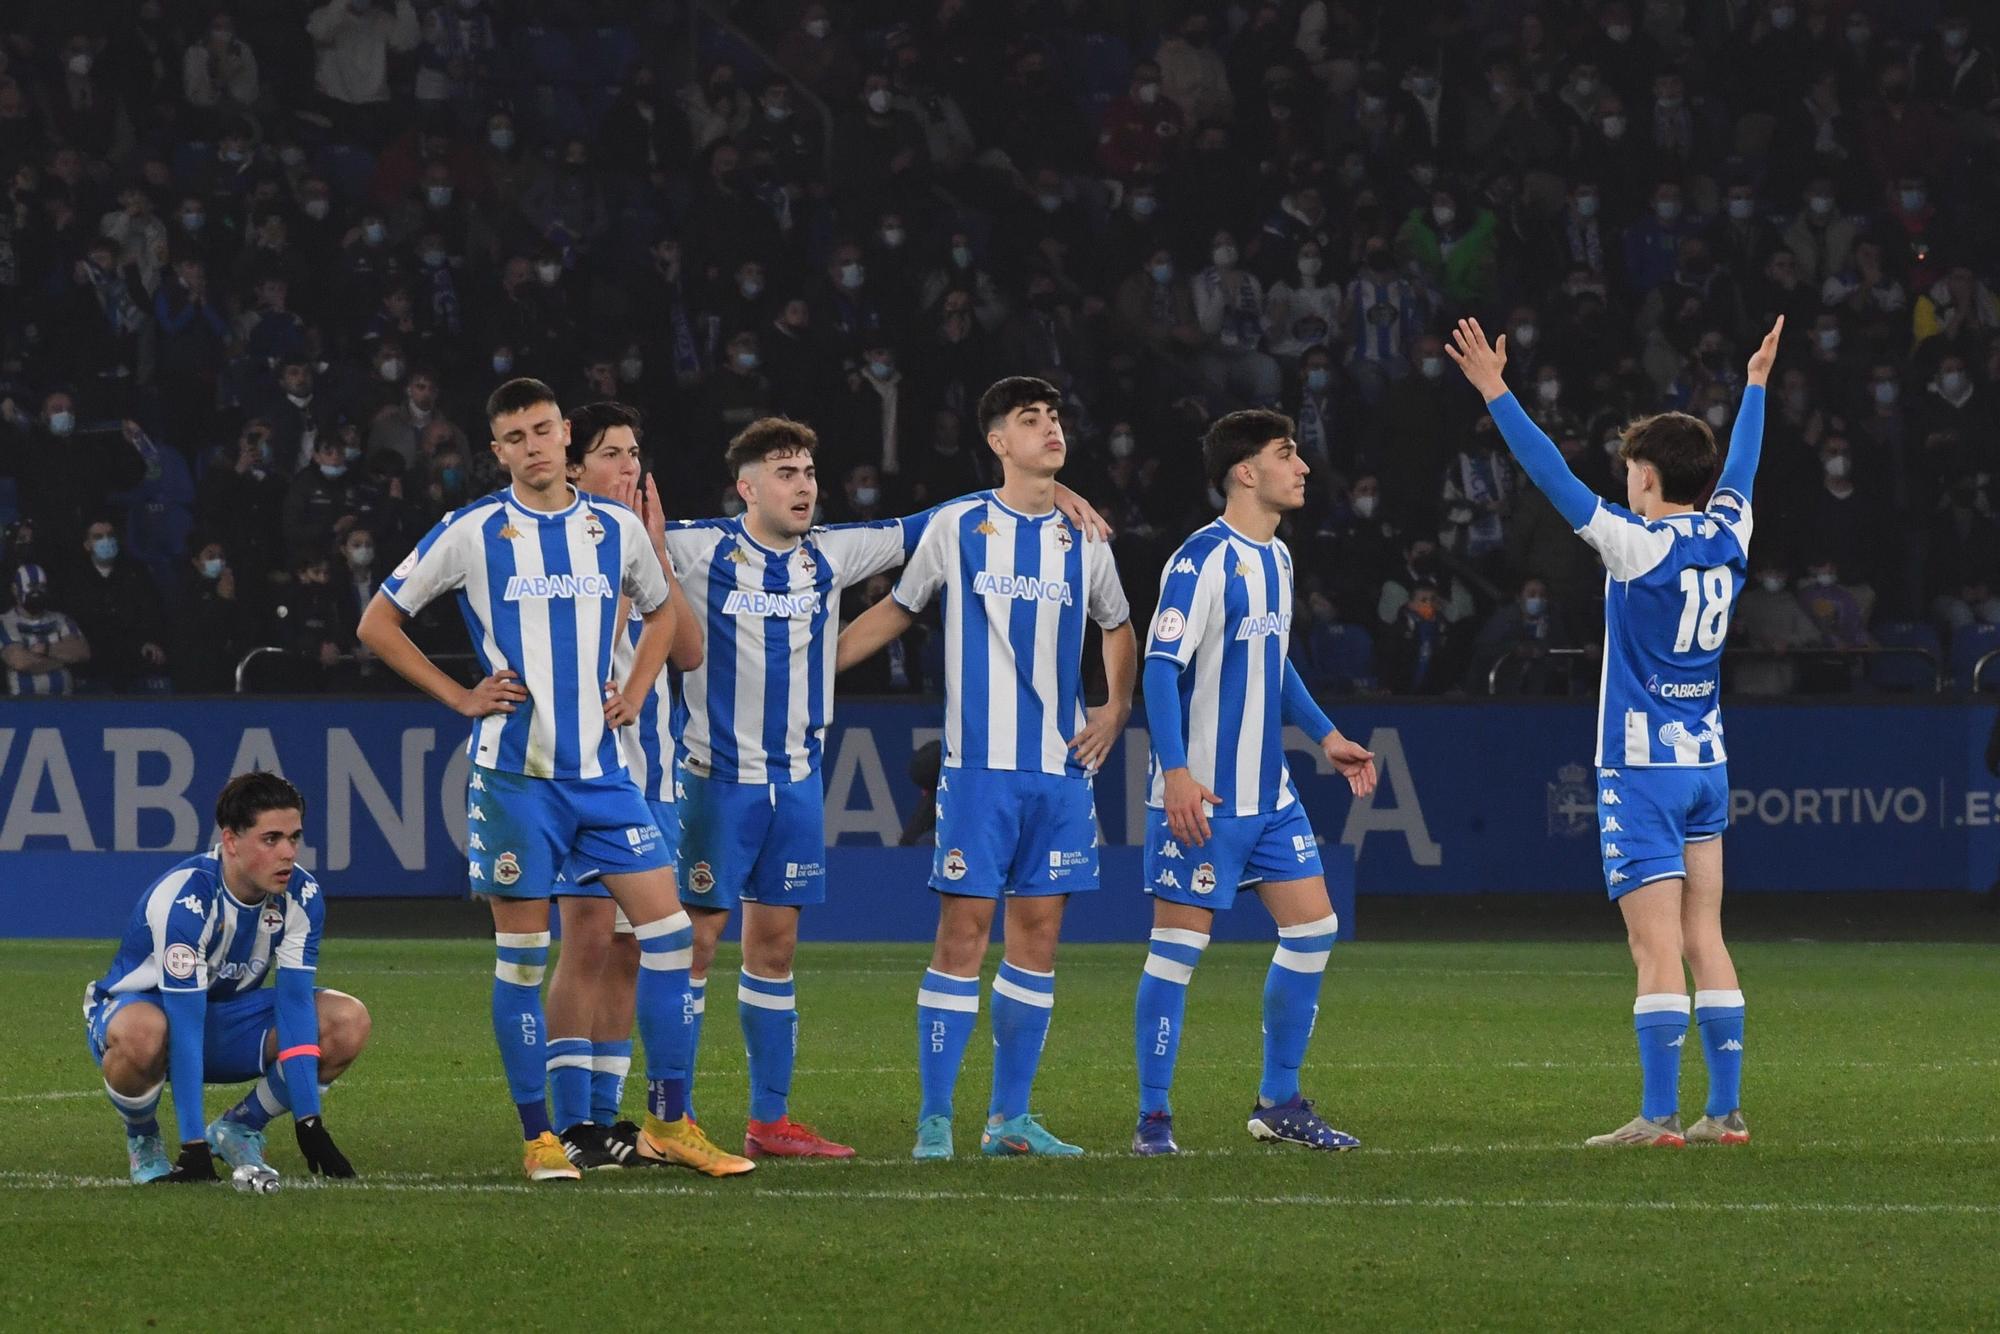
{"x":1236,"y":436}
{"x":767,"y":436}
{"x":588,"y":424}
{"x":1680,"y":446}
{"x":1007,"y":396}
{"x":517,"y":395}
{"x":247,"y":796}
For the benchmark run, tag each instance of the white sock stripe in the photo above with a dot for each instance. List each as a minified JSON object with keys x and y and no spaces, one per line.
{"x":520,"y":974}
{"x":697,"y":985}
{"x":135,"y":1102}
{"x":579,"y":1062}
{"x":665,"y":961}
{"x":1044,"y":1000}
{"x":945,"y":1000}
{"x":764,"y":1000}
{"x":521,"y":940}
{"x":652,"y":930}
{"x":699,"y":1004}
{"x":1718,"y":1000}
{"x":1176,"y":935}
{"x":1025,"y":972}
{"x":952,"y":977}
{"x":1171,"y":970}
{"x":1325,"y":926}
{"x":267,"y":1097}
{"x":1660,"y":1002}
{"x":612,"y":1065}
{"x":1300,"y":961}
{"x":768,"y":981}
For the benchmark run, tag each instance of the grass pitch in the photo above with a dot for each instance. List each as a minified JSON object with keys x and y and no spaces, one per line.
{"x":1471,"y":1073}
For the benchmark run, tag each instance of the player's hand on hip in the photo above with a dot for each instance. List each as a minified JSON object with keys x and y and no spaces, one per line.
{"x":1355,"y":762}
{"x":498,"y":693}
{"x":316,"y":1146}
{"x":618,"y":710}
{"x":1080,"y":512}
{"x":1484,"y":363}
{"x":1765,"y":355}
{"x":195,"y":1164}
{"x":1187,"y":803}
{"x":1092,"y":745}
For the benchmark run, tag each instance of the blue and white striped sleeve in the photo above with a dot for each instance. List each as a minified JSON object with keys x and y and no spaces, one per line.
{"x":929,"y":564}
{"x":435,"y":567}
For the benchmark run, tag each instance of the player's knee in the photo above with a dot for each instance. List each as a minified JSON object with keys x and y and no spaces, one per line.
{"x":344,"y":1027}
{"x":136,"y":1039}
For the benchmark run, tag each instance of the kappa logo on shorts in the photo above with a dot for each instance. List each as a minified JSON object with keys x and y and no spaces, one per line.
{"x":1617,"y":878}
{"x":944,"y":781}
{"x":954,"y":865}
{"x":1613,"y":850}
{"x":506,"y":869}
{"x":180,"y":961}
{"x":1204,"y":878}
{"x":1611,"y":825}
{"x":476,"y":872}
{"x":473,"y":843}
{"x":1608,"y":797}
{"x":1168,"y":880}
{"x":700,"y":878}
{"x":478,"y":783}
{"x":476,"y":813}
{"x":1171,"y":851}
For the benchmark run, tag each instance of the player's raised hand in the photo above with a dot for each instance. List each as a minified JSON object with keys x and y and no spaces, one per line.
{"x":1186,"y":803}
{"x":618,"y":710}
{"x":1098,"y":735}
{"x":1766,"y":353}
{"x":1080,"y":512}
{"x":1354,"y":762}
{"x":653,"y":513}
{"x":498,"y":693}
{"x":1484,"y":363}
{"x":195,"y":1164}
{"x":316,"y":1146}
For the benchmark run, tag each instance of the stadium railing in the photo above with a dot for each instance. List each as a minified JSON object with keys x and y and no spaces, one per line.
{"x":1871,"y":652}
{"x":1979,"y":669}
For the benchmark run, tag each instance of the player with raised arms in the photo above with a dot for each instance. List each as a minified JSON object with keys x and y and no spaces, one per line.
{"x":1015,"y":812}
{"x":538,"y":570}
{"x":1220,"y":690}
{"x":593,"y":995}
{"x":185,"y":1001}
{"x":1672,"y":574}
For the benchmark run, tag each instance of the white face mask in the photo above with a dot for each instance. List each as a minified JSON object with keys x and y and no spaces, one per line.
{"x":79,"y":64}
{"x":438,"y":195}
{"x":317,"y":209}
{"x":892,"y":237}
{"x":1717,"y":414}
{"x":548,"y":273}
{"x":391,"y":369}
{"x":1224,"y":256}
{"x":817,"y":29}
{"x":1667,"y":209}
{"x":1309,"y":265}
{"x":1364,"y":506}
{"x":1614,"y":127}
{"x":1122,"y":445}
{"x":1549,"y":390}
{"x":1837,"y":466}
{"x":1049,"y":203}
{"x":1586,"y":206}
{"x":1443,"y":214}
{"x":961,"y":256}
{"x":1886,"y":392}
{"x":502,"y":364}
{"x":865,"y":496}
{"x":361,"y":557}
{"x":631,"y":368}
{"x":1149,"y":93}
{"x":1952,"y":382}
{"x":1829,"y":340}
{"x":501,"y":139}
{"x":1431,"y":367}
{"x":1820,"y":205}
{"x":1825,"y":578}
{"x":1772,"y":583}
{"x":852,"y":276}
{"x":878,"y":101}
{"x":1742,"y":209}
{"x":1526,"y":334}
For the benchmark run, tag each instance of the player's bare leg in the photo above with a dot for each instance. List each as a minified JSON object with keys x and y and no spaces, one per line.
{"x":666,"y":952}
{"x":765,"y":997}
{"x":1023,"y":998}
{"x":1306,"y":928}
{"x":135,"y":1049}
{"x":1180,"y":934}
{"x":947,"y":1010}
{"x":1718,"y":997}
{"x":1660,"y":1014}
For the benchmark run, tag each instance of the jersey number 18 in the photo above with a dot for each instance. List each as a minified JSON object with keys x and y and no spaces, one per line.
{"x":1705,"y":613}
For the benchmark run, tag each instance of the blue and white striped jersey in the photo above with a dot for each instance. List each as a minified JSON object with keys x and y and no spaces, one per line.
{"x":757,"y":708}
{"x":539,"y":593}
{"x":1016,"y":589}
{"x":37,"y":633}
{"x":1225,"y":619}
{"x":648,"y":740}
{"x":1669,"y":589}
{"x":189,"y":933}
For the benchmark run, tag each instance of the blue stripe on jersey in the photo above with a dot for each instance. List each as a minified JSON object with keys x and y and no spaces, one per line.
{"x":611,"y":564}
{"x":553,"y":539}
{"x":1069,"y":643}
{"x":976,"y":665}
{"x":1271,"y":769}
{"x":720,"y":658}
{"x":1021,"y":615}
{"x":506,"y":630}
{"x":777,"y":631}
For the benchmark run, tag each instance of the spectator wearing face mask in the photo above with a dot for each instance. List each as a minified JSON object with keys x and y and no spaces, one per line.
{"x":1541,"y":545}
{"x":242,"y":493}
{"x":1846,"y":514}
{"x":879,"y":153}
{"x":213,"y":624}
{"x":1958,"y":314}
{"x":118,"y":606}
{"x":353,"y":40}
{"x":879,"y":413}
{"x":219,"y":71}
{"x":1522,"y":630}
{"x":819,"y":57}
{"x":39,"y":644}
{"x":1360,"y":544}
{"x":1954,"y":404}
{"x":1333,"y":657}
{"x":1418,"y":651}
{"x":1192,"y":76}
{"x":1422,"y":567}
{"x":1155,"y":307}
{"x":64,"y":474}
{"x":1455,"y":245}
{"x":399,"y":427}
{"x":960,"y":267}
{"x":1229,"y":309}
{"x":1819,"y":234}
{"x":1653,"y":243}
{"x":1301,"y":311}
{"x":1142,"y":129}
{"x":319,"y":496}
{"x":715,"y":106}
{"x":1770,"y":617}
{"x":1318,"y":418}
{"x":307,"y":622}
{"x":1840,"y":610}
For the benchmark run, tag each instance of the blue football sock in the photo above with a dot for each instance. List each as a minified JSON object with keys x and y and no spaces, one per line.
{"x":1291,"y":1004}
{"x":1156,"y":1020}
{"x":139,"y":1111}
{"x":1660,"y":1020}
{"x":1023,"y":1001}
{"x":697,"y":1007}
{"x":610,"y":1062}
{"x":666,"y":949}
{"x":569,"y":1080}
{"x":1720,"y":1014}
{"x":768,"y":1009}
{"x":947,"y":1010}
{"x":521,"y":959}
{"x":266,"y":1099}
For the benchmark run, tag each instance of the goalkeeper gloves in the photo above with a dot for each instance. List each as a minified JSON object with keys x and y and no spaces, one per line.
{"x":194,"y":1164}
{"x":322,"y":1155}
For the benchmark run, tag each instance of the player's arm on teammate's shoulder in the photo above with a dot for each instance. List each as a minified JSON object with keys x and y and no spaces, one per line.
{"x":1484,"y":365}
{"x":1096,"y":528}
{"x":923,"y":575}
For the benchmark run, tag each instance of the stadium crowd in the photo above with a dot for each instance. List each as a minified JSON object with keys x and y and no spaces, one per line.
{"x":261,"y":263}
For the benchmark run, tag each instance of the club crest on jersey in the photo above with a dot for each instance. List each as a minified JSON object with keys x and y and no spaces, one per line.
{"x":807,"y":565}
{"x":1170,"y":626}
{"x":593,"y":527}
{"x":1063,"y":539}
{"x":272,"y":919}
{"x":506,"y":869}
{"x":954,"y":865}
{"x":1204,"y":878}
{"x":700,"y":878}
{"x":180,"y":961}
{"x":1571,"y":805}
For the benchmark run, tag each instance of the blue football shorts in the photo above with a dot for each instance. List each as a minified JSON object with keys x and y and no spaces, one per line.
{"x":1647,"y":817}
{"x":579,"y":879}
{"x":233,"y":1031}
{"x":751,"y":842}
{"x":1241,"y":850}
{"x":520,"y":831}
{"x":1004,"y":832}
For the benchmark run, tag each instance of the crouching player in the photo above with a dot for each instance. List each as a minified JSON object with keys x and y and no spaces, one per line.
{"x":1220,"y":688}
{"x":1663,"y":785}
{"x":185,"y":998}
